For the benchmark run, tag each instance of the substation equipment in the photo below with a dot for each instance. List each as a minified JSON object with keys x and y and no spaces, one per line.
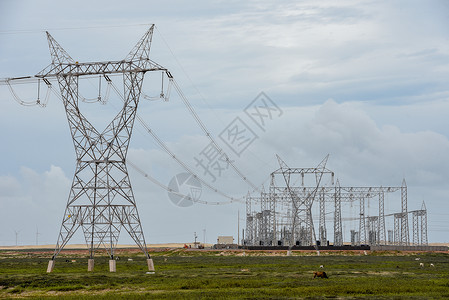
{"x":283,"y":216}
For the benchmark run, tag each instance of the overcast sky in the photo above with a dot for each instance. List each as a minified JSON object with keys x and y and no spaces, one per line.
{"x":364,"y":81}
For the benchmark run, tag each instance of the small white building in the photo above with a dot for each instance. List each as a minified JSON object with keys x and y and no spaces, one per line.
{"x":228,"y":240}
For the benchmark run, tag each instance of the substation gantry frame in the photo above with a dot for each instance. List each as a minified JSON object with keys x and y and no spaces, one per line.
{"x":285,"y":217}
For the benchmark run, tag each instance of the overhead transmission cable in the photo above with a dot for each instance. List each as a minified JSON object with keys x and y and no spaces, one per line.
{"x":210,"y":137}
{"x":174,"y":157}
{"x":165,"y":97}
{"x":198,"y":120}
{"x":148,"y":129}
{"x":158,"y":183}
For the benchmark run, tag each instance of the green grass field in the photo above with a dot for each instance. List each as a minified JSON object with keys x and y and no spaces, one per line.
{"x":223,"y":275}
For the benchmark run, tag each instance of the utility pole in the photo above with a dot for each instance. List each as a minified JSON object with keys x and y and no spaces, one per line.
{"x":17,"y":234}
{"x":37,"y":236}
{"x":238,"y":227}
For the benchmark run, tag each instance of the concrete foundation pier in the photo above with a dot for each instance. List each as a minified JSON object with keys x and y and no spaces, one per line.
{"x":112,"y":265}
{"x":90,"y":264}
{"x":51,"y":265}
{"x":150,"y":264}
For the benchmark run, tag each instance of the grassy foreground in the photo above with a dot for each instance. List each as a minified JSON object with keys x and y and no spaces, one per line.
{"x":219,"y":275}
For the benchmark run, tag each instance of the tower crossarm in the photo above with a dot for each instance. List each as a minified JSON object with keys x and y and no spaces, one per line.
{"x":369,"y":192}
{"x":101,"y":68}
{"x":303,"y":171}
{"x":347,"y":194}
{"x":420,"y":212}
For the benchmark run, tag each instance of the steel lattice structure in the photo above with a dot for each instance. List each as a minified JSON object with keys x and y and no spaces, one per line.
{"x":288,"y":205}
{"x":101,"y":200}
{"x":420,"y":226}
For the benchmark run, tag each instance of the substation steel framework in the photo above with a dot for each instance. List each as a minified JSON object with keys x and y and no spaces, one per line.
{"x":289,"y":207}
{"x":101,"y":200}
{"x":420,"y":226}
{"x":297,"y":226}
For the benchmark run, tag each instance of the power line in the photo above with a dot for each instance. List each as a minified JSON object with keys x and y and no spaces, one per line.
{"x":158,"y":141}
{"x":174,"y":157}
{"x":198,"y":120}
{"x":151,"y":132}
{"x":217,"y":117}
{"x":210,"y":136}
{"x":158,"y":183}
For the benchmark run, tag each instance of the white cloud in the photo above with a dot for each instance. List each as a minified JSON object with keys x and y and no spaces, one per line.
{"x":36,"y":200}
{"x":9,"y":186}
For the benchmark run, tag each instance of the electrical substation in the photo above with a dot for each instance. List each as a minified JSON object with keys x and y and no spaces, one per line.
{"x":283,"y":216}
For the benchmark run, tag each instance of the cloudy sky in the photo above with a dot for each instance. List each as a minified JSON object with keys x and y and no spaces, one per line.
{"x":364,"y":81}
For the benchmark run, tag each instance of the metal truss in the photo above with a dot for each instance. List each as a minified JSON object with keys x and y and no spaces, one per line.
{"x":381,"y":234}
{"x":404,"y":218}
{"x":397,"y":228}
{"x":101,"y":200}
{"x":362,"y":229}
{"x":289,"y":207}
{"x":302,"y":228}
{"x":338,"y":231}
{"x":420,"y":226}
{"x":322,"y":223}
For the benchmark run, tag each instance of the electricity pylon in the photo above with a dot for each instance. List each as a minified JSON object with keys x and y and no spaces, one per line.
{"x":101,"y":200}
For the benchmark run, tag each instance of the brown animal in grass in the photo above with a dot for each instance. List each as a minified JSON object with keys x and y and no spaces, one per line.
{"x":320,"y":274}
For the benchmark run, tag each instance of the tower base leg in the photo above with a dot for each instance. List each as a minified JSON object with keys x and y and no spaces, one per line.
{"x":51,"y":265}
{"x":112,"y":265}
{"x":90,"y":264}
{"x":150,"y":264}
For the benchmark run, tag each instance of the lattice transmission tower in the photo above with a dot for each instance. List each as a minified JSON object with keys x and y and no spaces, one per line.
{"x":101,"y":199}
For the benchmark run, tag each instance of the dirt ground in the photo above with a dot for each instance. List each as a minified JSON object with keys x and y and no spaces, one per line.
{"x":84,"y":246}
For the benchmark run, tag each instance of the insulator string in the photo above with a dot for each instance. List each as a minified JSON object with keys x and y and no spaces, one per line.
{"x":30,"y":103}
